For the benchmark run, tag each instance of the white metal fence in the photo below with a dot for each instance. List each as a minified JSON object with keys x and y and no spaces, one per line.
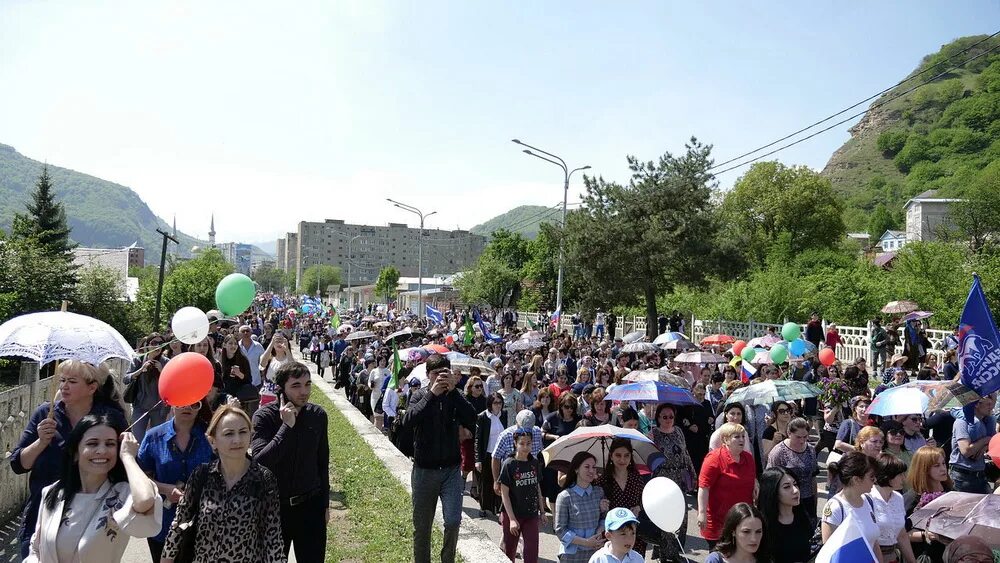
{"x":854,"y":340}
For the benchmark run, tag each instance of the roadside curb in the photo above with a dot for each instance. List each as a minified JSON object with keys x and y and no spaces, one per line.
{"x":473,"y":542}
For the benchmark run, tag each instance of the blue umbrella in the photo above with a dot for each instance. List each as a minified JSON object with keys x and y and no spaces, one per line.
{"x":652,"y":391}
{"x":669,"y":337}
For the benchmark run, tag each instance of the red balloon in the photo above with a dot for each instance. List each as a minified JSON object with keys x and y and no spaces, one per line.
{"x":827,"y":357}
{"x":738,"y":347}
{"x":450,"y":340}
{"x":186,"y":379}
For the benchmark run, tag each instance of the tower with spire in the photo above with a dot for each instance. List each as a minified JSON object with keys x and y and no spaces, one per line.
{"x":211,"y":232}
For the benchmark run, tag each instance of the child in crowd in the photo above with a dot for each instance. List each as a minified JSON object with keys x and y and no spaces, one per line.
{"x":620,"y":527}
{"x":520,"y":488}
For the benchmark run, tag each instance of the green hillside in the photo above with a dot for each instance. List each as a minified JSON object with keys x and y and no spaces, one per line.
{"x":523,"y":219}
{"x":940,"y":136}
{"x":102,"y":214}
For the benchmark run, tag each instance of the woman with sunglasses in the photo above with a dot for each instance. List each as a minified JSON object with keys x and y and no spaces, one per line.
{"x":169,"y":454}
{"x":489,"y":424}
{"x":781,"y":414}
{"x":678,"y":467}
{"x":895,"y":441}
{"x":796,"y":455}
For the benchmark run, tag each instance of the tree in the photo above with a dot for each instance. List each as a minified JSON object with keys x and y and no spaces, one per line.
{"x":509,"y":247}
{"x":629,"y":243}
{"x":30,"y":279}
{"x":100,"y":293}
{"x":541,"y":271}
{"x":193,"y":282}
{"x":45,"y":223}
{"x":772,"y":198}
{"x":492,"y":281}
{"x":977,"y":217}
{"x":318,"y":277}
{"x":880,"y":222}
{"x":269,"y":278}
{"x":388,"y":280}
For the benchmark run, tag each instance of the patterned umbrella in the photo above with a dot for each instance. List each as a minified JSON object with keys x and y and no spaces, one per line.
{"x":436,"y":349}
{"x":772,"y":390}
{"x":661,"y":375}
{"x":404,"y":335}
{"x":669,"y":337}
{"x":360,"y":335}
{"x":699,"y":358}
{"x":921,"y":397}
{"x":896,"y":307}
{"x":652,"y":391}
{"x":639,"y":348}
{"x":597,"y":440}
{"x":58,"y":335}
{"x":679,"y":345}
{"x":764,"y":341}
{"x":634,"y":336}
{"x":917,"y":316}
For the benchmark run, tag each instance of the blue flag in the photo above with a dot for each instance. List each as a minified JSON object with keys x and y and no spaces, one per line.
{"x":433,"y":314}
{"x":979,"y":346}
{"x":277,"y":302}
{"x":482,"y":327}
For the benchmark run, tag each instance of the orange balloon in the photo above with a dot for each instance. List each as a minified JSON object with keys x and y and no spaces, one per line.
{"x":186,"y":379}
{"x":738,"y":347}
{"x":827,"y":357}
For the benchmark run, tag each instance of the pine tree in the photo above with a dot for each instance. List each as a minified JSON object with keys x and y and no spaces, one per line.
{"x":46,"y":220}
{"x":45,"y":225}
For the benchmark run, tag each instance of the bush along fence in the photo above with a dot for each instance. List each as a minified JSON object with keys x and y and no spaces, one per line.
{"x":855,"y":341}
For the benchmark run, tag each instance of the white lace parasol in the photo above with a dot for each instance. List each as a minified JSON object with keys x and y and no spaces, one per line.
{"x":58,"y":335}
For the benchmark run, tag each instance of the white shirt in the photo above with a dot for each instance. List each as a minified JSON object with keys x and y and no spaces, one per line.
{"x":604,"y":555}
{"x":253,"y":353}
{"x":496,"y":427}
{"x":391,"y":402}
{"x":891,"y":516}
{"x":375,"y":379}
{"x":837,"y":509}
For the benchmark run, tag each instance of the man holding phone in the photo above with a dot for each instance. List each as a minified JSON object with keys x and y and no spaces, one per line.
{"x":434,"y":416}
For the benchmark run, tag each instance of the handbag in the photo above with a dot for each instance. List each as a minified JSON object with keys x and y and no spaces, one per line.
{"x":189,"y":530}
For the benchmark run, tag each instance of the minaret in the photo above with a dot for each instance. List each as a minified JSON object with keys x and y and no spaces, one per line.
{"x":211,"y":232}
{"x":174,"y":233}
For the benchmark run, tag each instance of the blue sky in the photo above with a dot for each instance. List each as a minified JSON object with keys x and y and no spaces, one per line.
{"x":269,"y":113}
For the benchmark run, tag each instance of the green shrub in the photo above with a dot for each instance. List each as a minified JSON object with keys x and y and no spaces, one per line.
{"x":917,"y":148}
{"x":891,"y":142}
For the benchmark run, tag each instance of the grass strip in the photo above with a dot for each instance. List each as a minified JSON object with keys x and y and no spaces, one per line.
{"x":379,"y":508}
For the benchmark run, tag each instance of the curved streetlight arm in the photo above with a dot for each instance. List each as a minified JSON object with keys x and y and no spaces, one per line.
{"x":541,"y":151}
{"x":560,"y":165}
{"x":578,"y":169}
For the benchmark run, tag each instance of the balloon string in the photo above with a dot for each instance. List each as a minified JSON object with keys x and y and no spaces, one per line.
{"x":144,"y":415}
{"x":146,"y":350}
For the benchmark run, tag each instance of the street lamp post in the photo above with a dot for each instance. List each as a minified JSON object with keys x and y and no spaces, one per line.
{"x":349,"y":258}
{"x":420,"y":251}
{"x":566,"y":176}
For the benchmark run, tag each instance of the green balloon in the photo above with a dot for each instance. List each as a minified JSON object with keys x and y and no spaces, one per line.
{"x":748,"y":353}
{"x":791,"y":331}
{"x":779,"y":354}
{"x":234,"y":294}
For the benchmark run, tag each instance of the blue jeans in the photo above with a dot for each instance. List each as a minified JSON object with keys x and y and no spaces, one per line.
{"x":970,"y":483}
{"x":429,"y":485}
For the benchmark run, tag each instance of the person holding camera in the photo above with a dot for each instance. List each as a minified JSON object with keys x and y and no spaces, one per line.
{"x":434,"y":415}
{"x":290,"y":439}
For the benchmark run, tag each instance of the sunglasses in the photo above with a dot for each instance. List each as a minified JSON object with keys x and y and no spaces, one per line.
{"x":783,"y":411}
{"x":895,"y":431}
{"x":193,"y":406}
{"x":477,"y":386}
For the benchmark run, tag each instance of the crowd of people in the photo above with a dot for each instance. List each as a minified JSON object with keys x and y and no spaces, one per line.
{"x":250,"y":459}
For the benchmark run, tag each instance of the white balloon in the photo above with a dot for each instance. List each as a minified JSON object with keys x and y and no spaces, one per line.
{"x":664,"y":502}
{"x":190,"y":325}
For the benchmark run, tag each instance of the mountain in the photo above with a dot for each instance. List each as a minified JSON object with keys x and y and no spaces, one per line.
{"x":269,"y":247}
{"x":523,"y":219}
{"x":102,"y":214}
{"x":940,"y":136}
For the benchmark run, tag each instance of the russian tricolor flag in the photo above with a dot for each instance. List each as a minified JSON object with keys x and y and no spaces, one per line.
{"x":747,"y":372}
{"x":846,"y":545}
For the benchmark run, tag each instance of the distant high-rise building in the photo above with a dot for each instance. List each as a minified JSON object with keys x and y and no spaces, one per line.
{"x":239,"y":255}
{"x":279,"y":254}
{"x":329,"y":242}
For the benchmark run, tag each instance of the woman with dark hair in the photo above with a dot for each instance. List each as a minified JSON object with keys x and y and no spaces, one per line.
{"x":168,"y":454}
{"x":890,"y":511}
{"x":696,"y":422}
{"x":856,"y":472}
{"x":578,"y":523}
{"x":233,"y":497}
{"x":489,"y":425}
{"x":236,"y":372}
{"x":83,"y":389}
{"x":557,"y":425}
{"x":622,"y":484}
{"x":787,"y":525}
{"x":678,"y":467}
{"x":796,"y":455}
{"x":743,"y":539}
{"x":543,"y":406}
{"x":99,"y":494}
{"x":782,"y":413}
{"x":600,"y":410}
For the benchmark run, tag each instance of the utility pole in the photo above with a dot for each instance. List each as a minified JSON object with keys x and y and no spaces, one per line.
{"x":159,"y":286}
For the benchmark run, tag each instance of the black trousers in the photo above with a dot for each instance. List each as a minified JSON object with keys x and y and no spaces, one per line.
{"x":155,"y":549}
{"x":304,"y":525}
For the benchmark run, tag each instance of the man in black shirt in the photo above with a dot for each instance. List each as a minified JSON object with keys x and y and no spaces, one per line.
{"x":290,"y":439}
{"x":434,"y":414}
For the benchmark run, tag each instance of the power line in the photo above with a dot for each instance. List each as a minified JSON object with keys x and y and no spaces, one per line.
{"x":845,"y":110}
{"x":845,"y":120}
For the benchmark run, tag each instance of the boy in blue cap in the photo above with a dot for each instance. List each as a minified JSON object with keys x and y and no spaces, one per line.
{"x":620,"y":527}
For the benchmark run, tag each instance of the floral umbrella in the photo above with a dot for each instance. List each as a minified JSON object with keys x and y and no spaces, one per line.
{"x":652,"y":391}
{"x":660,"y":375}
{"x":59,"y":335}
{"x":717,"y":340}
{"x":597,"y":440}
{"x":896,"y":307}
{"x":699,"y":358}
{"x":767,"y":392}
